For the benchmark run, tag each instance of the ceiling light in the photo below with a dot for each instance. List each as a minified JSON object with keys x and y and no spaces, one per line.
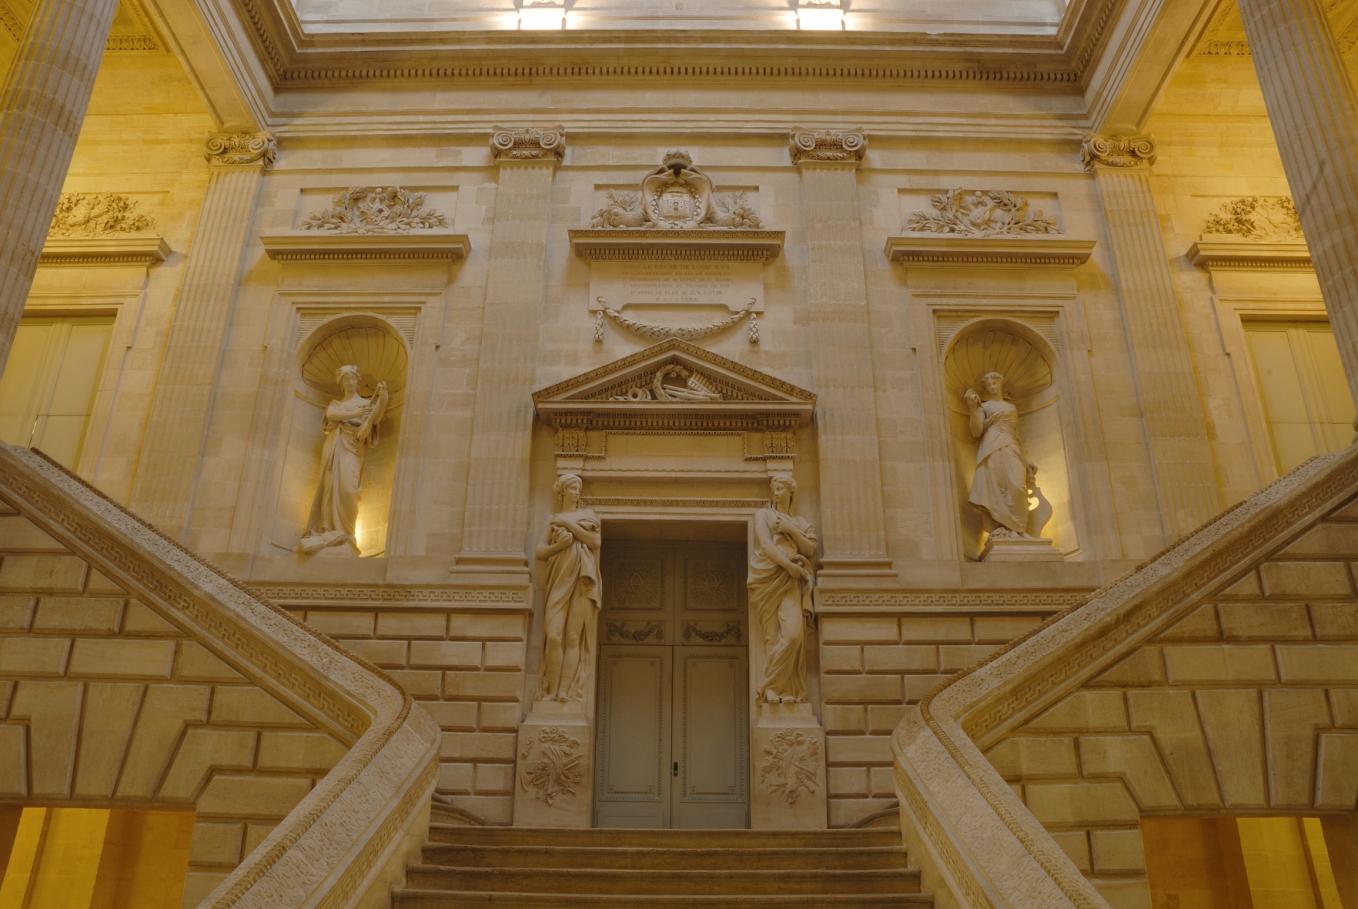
{"x":820,"y":15}
{"x":542,"y":14}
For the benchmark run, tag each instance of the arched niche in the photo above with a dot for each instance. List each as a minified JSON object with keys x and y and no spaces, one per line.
{"x":381,"y":354}
{"x":1030,"y":369}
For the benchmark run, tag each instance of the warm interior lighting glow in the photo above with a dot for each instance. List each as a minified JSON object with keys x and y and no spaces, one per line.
{"x":83,"y":858}
{"x":542,"y":16}
{"x":820,"y":17}
{"x":1258,"y":862}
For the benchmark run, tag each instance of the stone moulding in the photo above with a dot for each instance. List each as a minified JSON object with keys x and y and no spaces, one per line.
{"x":319,"y":246}
{"x":114,"y":251}
{"x":716,"y":244}
{"x":969,"y":830}
{"x":1037,"y":251}
{"x":342,"y":842}
{"x":456,"y":599}
{"x":1229,"y":252}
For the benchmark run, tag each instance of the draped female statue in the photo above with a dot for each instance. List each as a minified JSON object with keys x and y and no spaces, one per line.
{"x":1003,"y":474}
{"x":780,"y":582}
{"x":351,"y":427}
{"x":572,"y":594}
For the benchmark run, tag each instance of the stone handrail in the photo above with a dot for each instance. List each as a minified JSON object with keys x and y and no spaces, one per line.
{"x":977,"y":843}
{"x":347,"y":841}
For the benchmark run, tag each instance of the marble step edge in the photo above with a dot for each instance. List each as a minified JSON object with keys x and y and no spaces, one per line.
{"x":456,"y":899}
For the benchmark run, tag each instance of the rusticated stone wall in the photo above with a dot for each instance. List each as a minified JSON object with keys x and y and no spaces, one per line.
{"x":103,"y":701}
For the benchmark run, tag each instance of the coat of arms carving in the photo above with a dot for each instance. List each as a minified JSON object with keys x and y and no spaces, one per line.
{"x":676,"y":196}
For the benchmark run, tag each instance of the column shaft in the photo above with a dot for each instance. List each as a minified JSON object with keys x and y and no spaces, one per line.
{"x":1181,"y":455}
{"x":176,"y":432}
{"x":1312,"y":108}
{"x":42,"y":107}
{"x":852,"y":518}
{"x":496,"y":519}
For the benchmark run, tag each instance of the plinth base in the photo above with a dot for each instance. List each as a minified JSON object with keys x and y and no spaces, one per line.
{"x":554,"y":776}
{"x":787,"y":750}
{"x":1020,"y":549}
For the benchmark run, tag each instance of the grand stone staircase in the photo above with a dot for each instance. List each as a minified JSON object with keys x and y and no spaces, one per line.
{"x":536,"y":868}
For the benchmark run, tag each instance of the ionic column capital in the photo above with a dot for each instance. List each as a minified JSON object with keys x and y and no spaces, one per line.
{"x":235,"y":149}
{"x":529,"y":145}
{"x":827,"y":146}
{"x":1117,"y":151}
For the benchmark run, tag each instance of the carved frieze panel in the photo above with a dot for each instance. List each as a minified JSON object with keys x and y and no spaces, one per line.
{"x":1262,"y":219}
{"x":376,"y":210}
{"x":981,"y":213}
{"x":98,"y":215}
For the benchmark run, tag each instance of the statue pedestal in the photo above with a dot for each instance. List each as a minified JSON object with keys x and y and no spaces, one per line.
{"x":1019,"y":549}
{"x":787,"y":753}
{"x":554,"y":776}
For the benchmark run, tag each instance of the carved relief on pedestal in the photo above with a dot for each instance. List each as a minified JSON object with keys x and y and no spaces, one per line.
{"x":375,"y":210}
{"x":791,"y":765}
{"x":981,"y":213}
{"x":552,"y":765}
{"x":1001,"y":395}
{"x":97,"y":215}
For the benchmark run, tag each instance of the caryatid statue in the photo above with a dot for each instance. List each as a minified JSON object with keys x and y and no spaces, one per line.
{"x":999,"y":490}
{"x":351,"y":428}
{"x":780,"y":583}
{"x":572,"y":594}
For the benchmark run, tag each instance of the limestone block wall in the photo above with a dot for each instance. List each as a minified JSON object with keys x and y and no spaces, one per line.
{"x":871,"y":668}
{"x":466,"y":670}
{"x":1247,"y":706}
{"x":103,"y":701}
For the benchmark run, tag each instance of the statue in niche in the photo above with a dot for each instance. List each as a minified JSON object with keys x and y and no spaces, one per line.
{"x":572,"y":594}
{"x":1004,"y":476}
{"x":351,"y":427}
{"x":780,"y":583}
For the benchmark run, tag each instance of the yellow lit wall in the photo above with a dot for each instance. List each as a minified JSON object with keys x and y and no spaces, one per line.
{"x":94,"y":858}
{"x":1251,"y":862}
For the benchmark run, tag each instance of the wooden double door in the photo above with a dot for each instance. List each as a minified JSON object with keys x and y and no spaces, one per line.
{"x":672,"y":718}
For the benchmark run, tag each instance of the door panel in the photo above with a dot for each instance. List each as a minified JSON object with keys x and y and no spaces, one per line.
{"x":711,"y":738}
{"x":672,"y":719}
{"x":633,"y":783}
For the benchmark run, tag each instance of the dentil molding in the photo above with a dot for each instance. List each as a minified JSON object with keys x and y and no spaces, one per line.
{"x":322,"y":246}
{"x":1230,"y":253}
{"x":145,"y":251}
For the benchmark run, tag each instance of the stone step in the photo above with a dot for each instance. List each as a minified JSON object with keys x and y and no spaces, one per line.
{"x":665,"y":839}
{"x":461,"y":899}
{"x":472,"y":855}
{"x":604,"y":881}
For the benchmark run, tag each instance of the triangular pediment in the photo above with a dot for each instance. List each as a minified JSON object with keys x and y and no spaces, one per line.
{"x":675,"y":375}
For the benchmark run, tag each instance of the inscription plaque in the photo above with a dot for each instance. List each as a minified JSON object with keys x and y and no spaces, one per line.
{"x":678,"y":283}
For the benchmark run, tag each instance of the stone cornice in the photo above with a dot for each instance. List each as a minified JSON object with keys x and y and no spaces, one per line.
{"x":320,"y":246}
{"x":1036,"y":251}
{"x":827,"y":146}
{"x":109,"y":251}
{"x":449,"y":597}
{"x":1230,"y":253}
{"x":716,"y":244}
{"x":1120,"y":152}
{"x":293,"y":58}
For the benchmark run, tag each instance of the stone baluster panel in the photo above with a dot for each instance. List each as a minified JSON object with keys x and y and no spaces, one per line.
{"x":42,"y":108}
{"x":1181,"y":454}
{"x":182,"y":406}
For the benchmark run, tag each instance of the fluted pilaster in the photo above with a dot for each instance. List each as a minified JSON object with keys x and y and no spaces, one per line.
{"x":1181,"y":456}
{"x":177,"y":428}
{"x":1314,"y":113}
{"x":852,"y":518}
{"x":496,"y":519}
{"x":42,"y":107}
